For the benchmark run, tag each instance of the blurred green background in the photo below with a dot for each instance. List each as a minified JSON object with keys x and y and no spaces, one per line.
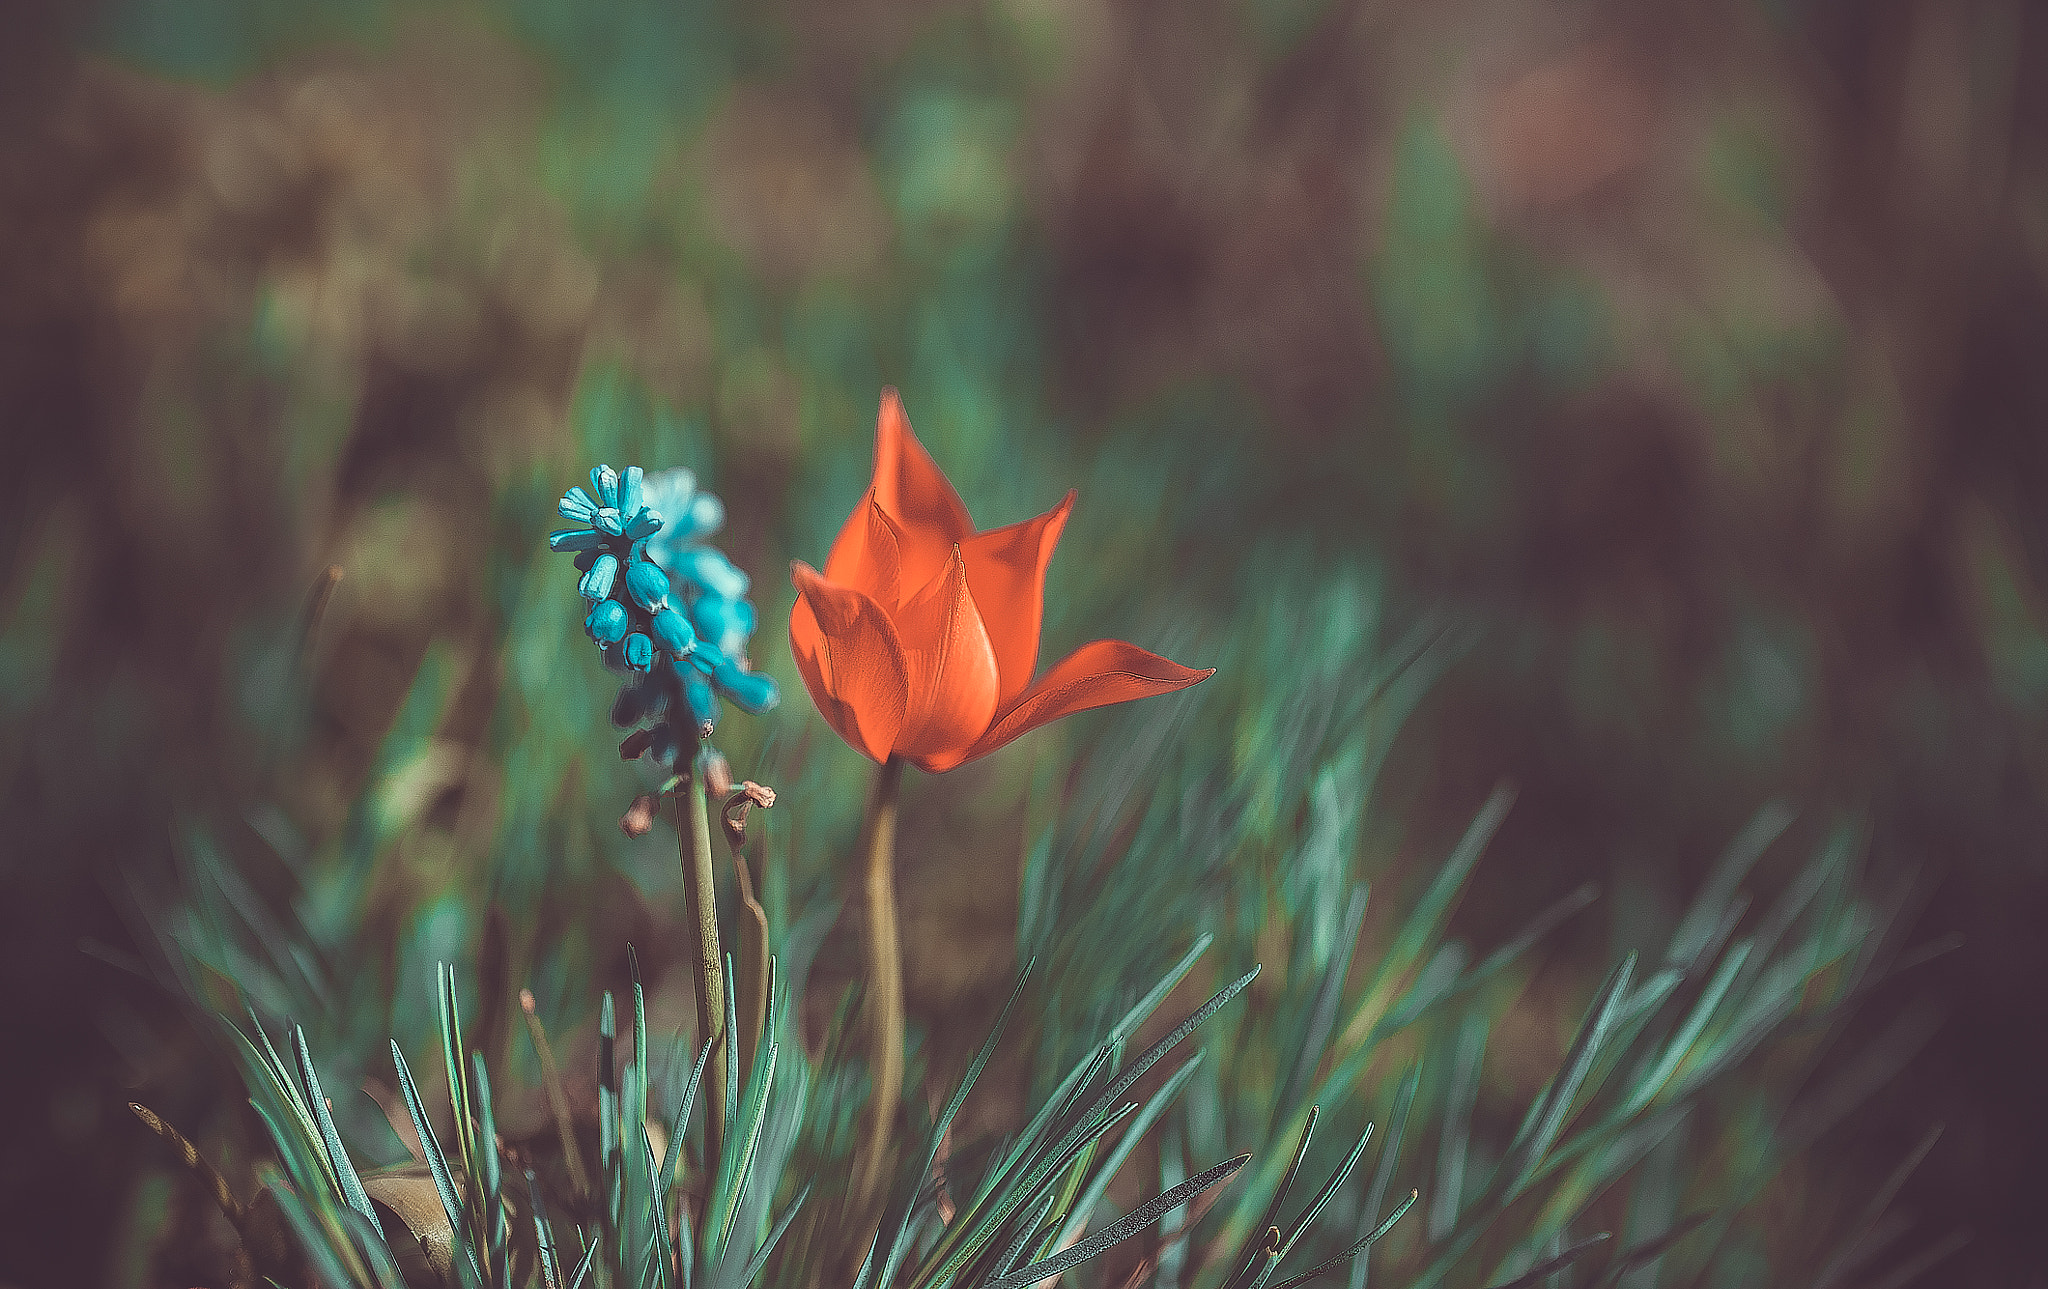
{"x":1685,"y":356}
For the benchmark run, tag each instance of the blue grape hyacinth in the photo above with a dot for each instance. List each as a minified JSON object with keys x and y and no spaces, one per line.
{"x":669,"y":612}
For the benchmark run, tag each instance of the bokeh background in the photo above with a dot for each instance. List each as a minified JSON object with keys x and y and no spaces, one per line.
{"x":1685,"y":355}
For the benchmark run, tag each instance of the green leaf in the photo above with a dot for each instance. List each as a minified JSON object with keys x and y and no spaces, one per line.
{"x":1323,"y":1012}
{"x":344,"y":1171}
{"x":1098,"y":1183}
{"x":1256,"y":1249}
{"x":1528,"y":1152}
{"x":319,"y":1249}
{"x":1425,"y":923}
{"x":760,"y":1258}
{"x":1554,"y":1265}
{"x":1453,"y":1145}
{"x":1139,"y":1014}
{"x":450,"y":1018}
{"x":1710,"y":906}
{"x":985,"y":1226}
{"x":1316,"y":1206}
{"x":489,"y":1189}
{"x":437,"y":1163}
{"x":1361,"y":1246}
{"x":1675,"y":1051}
{"x":1376,"y":1195}
{"x":1119,"y":1231}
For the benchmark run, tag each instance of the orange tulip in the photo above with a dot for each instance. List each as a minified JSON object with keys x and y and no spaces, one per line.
{"x":919,"y":639}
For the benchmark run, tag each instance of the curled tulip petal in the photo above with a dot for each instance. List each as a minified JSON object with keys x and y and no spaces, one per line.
{"x":1095,"y":675}
{"x":1006,"y":572}
{"x":867,"y":555}
{"x":910,"y":485}
{"x":644,"y":523}
{"x":631,"y":497}
{"x":604,"y":481}
{"x":851,"y":660}
{"x":954,"y":686}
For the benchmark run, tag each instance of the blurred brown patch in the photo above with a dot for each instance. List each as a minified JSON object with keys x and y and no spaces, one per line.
{"x":1562,"y":129}
{"x":789,"y":188}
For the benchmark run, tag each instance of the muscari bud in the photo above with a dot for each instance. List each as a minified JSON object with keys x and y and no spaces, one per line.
{"x":647,"y":584}
{"x":754,"y":691}
{"x":597,"y":583}
{"x":604,"y":481}
{"x":639,"y":651}
{"x":723,"y":622}
{"x":672,"y":633}
{"x":607,"y":622}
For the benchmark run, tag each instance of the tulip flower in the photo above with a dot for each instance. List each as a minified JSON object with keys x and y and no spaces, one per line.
{"x":918,"y":643}
{"x":919,"y":640}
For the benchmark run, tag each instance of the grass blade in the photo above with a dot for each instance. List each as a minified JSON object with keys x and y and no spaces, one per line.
{"x":1098,"y":1184}
{"x":1451,"y":1148}
{"x":1361,"y":1246}
{"x":1383,"y":1175}
{"x":1527,"y":1155}
{"x":437,"y":1163}
{"x":1315,"y":1208}
{"x":1123,"y":1229}
{"x":344,"y":1171}
{"x":985,"y":1226}
{"x":1552,"y":1266}
{"x":1323,"y":1013}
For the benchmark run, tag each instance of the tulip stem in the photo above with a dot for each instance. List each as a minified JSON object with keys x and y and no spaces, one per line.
{"x":885,"y":979}
{"x":693,"y":821}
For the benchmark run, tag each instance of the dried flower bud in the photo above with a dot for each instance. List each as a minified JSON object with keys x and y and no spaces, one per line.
{"x":748,"y":795}
{"x":638,"y":820}
{"x":717,"y":774}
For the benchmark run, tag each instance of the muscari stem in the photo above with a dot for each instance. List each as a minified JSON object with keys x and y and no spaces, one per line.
{"x":885,"y":977}
{"x":700,"y":896}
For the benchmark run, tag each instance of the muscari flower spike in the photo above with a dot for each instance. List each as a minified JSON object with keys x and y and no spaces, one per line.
{"x":669,"y":612}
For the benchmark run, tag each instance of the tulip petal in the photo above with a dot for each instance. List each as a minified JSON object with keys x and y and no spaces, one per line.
{"x":1006,"y":572}
{"x":951,"y":666}
{"x":1095,"y":675}
{"x":851,"y":660}
{"x":916,"y":494}
{"x":867,"y":554}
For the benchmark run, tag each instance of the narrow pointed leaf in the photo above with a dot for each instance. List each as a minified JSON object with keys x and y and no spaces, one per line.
{"x":1119,"y":1231}
{"x":345,"y":1172}
{"x":1356,"y":1249}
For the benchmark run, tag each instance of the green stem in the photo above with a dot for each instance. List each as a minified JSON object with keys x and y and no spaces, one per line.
{"x":885,"y":979}
{"x":700,"y":896}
